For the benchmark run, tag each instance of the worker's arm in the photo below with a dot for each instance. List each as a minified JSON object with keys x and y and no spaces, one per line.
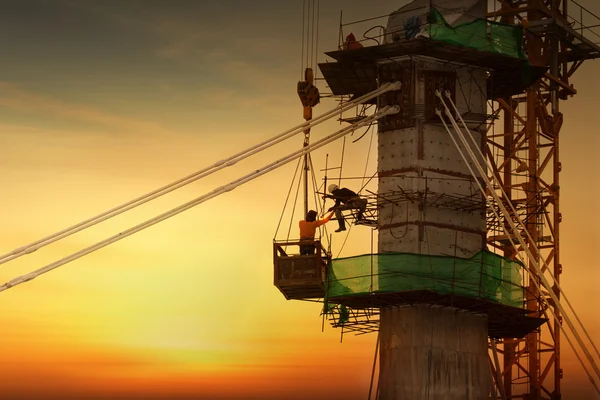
{"x":325,"y":220}
{"x":337,"y":202}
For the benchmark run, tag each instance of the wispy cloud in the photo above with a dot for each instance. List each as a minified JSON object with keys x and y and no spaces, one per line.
{"x":17,"y":98}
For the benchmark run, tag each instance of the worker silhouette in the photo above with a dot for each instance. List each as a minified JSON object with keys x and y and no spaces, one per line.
{"x":345,"y":199}
{"x":308,"y":227}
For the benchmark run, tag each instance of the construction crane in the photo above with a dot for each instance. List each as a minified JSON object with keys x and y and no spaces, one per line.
{"x":557,"y":36}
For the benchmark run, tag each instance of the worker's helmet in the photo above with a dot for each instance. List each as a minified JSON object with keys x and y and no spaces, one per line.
{"x":332,"y":187}
{"x":311,"y":216}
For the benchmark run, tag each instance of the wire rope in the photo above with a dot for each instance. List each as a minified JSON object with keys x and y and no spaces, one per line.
{"x":294,"y":208}
{"x":287,"y":198}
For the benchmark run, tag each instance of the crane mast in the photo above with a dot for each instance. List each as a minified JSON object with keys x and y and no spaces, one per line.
{"x":525,"y":157}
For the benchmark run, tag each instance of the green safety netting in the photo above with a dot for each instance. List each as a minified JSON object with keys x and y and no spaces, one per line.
{"x":484,"y":276}
{"x":479,"y":34}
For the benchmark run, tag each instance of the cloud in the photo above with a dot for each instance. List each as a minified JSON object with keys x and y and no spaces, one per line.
{"x":176,"y":37}
{"x":18,"y":99}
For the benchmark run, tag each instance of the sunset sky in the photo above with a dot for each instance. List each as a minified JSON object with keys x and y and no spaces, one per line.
{"x":103,"y":101}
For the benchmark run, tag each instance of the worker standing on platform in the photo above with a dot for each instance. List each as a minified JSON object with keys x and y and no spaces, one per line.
{"x":345,"y":199}
{"x":308,"y":228}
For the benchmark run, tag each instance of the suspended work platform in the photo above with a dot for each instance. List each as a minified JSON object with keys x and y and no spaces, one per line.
{"x":300,"y":276}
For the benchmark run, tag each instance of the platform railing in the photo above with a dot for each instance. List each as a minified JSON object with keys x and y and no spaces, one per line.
{"x":584,"y":21}
{"x":300,"y":276}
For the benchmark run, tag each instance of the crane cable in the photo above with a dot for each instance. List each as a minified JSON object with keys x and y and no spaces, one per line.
{"x":516,"y":233}
{"x":294,"y":207}
{"x":31,"y":247}
{"x":216,"y":192}
{"x":310,"y":35}
{"x":287,"y":198}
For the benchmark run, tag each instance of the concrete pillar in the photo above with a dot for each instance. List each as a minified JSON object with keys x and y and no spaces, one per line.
{"x":420,"y":166}
{"x":431,"y":353}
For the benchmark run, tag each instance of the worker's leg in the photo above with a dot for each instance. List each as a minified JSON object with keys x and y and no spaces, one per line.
{"x":340,"y":218}
{"x":307,"y":248}
{"x":362,"y":206}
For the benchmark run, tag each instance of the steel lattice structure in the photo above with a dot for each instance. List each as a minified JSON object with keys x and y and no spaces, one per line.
{"x":524,"y":157}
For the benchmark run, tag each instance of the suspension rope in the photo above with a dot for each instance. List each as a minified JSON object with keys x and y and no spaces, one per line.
{"x":312,"y":33}
{"x":302,"y":49}
{"x":294,"y":207}
{"x":317,"y":39}
{"x":509,"y":219}
{"x":223,"y":189}
{"x":287,"y":198}
{"x":374,"y":364}
{"x":31,"y":247}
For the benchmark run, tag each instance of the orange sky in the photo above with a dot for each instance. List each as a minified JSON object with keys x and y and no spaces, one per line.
{"x":101,"y":101}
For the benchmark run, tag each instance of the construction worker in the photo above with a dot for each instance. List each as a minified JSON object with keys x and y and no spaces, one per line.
{"x":351,"y":44}
{"x":308,"y":227}
{"x":345,"y":199}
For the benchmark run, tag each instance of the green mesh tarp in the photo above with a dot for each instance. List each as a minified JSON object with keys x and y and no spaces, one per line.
{"x":484,"y":276}
{"x":479,"y":34}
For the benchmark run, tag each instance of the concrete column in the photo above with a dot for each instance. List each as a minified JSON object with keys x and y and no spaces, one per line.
{"x":431,"y":353}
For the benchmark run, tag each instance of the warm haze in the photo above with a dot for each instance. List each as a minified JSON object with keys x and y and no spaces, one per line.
{"x":102,"y":101}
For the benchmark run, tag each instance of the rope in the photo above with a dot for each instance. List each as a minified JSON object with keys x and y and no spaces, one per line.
{"x":307,"y":32}
{"x":31,"y":247}
{"x":374,"y":365}
{"x":516,"y":233}
{"x":312,"y":33}
{"x":317,"y":39}
{"x":294,"y":207}
{"x":302,"y":49}
{"x":223,"y":189}
{"x":287,"y":198}
{"x":364,"y":133}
